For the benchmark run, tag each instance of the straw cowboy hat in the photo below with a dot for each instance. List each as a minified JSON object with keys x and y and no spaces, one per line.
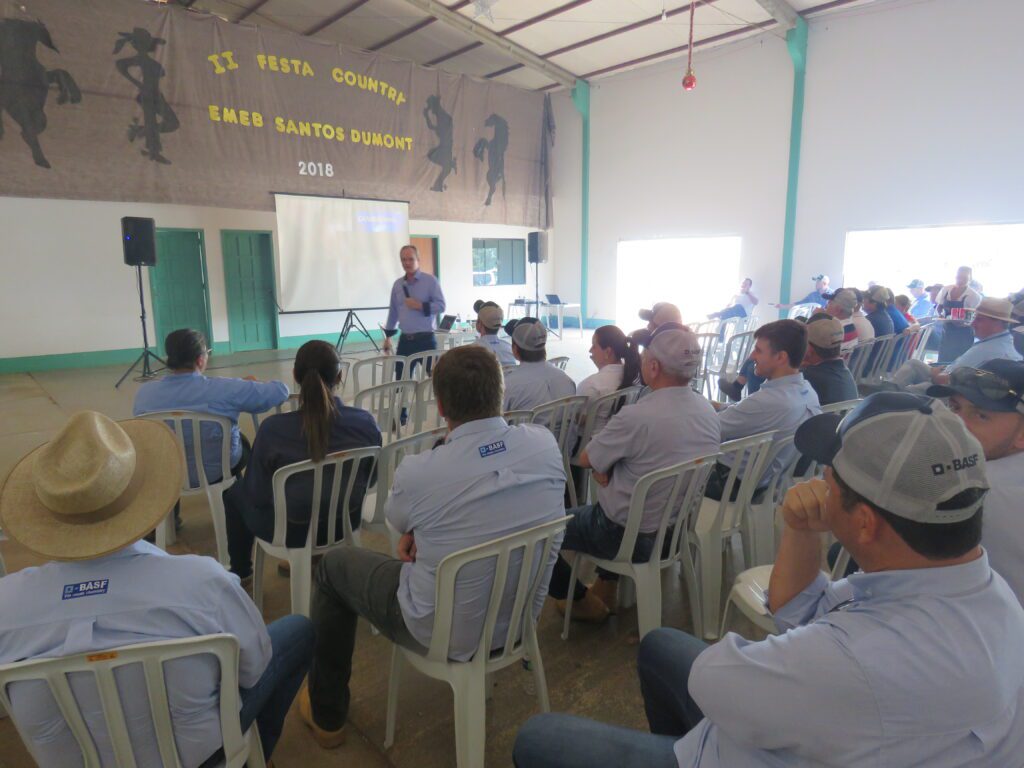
{"x":997,"y":309}
{"x":98,"y":486}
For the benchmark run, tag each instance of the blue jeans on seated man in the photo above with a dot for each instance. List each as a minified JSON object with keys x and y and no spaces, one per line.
{"x":591,"y":532}
{"x":564,"y":741}
{"x":267,"y":702}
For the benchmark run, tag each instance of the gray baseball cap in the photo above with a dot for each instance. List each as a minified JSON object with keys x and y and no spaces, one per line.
{"x":905,"y":453}
{"x":916,"y":283}
{"x":530,"y":334}
{"x":998,"y":385}
{"x":490,"y":316}
{"x":676,"y":348}
{"x":845,"y":299}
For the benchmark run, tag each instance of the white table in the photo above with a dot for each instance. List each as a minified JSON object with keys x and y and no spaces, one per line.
{"x":560,"y":311}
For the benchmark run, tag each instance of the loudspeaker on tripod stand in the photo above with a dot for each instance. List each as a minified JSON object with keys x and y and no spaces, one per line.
{"x":138,"y":238}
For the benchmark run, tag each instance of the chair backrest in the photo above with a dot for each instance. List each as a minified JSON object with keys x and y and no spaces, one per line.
{"x":189,"y":428}
{"x":291,"y":404}
{"x":380,"y":369}
{"x":730,"y":327}
{"x":842,"y":408}
{"x":102,"y":665}
{"x":520,"y":561}
{"x":688,"y":479}
{"x":420,"y":366}
{"x":391,"y":456}
{"x":859,"y":358}
{"x":518,"y":417}
{"x":802,"y":310}
{"x":606,"y":406}
{"x":559,"y":362}
{"x":708,"y":347}
{"x":737,"y":349}
{"x":917,"y":352}
{"x":561,"y":417}
{"x":425,"y":413}
{"x":345,"y":465}
{"x":878,"y":361}
{"x":386,"y":402}
{"x":748,"y":459}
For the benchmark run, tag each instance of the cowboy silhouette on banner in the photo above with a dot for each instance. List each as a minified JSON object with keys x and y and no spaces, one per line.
{"x":157,"y":115}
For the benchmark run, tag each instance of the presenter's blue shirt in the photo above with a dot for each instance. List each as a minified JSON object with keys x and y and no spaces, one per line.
{"x":425,"y":289}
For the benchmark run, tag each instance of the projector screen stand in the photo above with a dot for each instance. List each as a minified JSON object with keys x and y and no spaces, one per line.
{"x":352,"y":321}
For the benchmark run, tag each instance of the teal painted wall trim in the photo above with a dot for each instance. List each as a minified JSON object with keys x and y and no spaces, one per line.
{"x":796,"y":41}
{"x":71,"y":360}
{"x":581,"y":99}
{"x":294,"y":342}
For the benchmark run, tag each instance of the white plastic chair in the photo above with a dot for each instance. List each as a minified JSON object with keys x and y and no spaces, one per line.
{"x":859,"y":359}
{"x":878,"y":361}
{"x":391,"y":456}
{"x":559,"y":362}
{"x":518,"y":417}
{"x":561,"y":417}
{"x":424,"y":411}
{"x":737,"y":350}
{"x":420,"y":365}
{"x":347,"y":464}
{"x":519,"y":559}
{"x":386,"y":402}
{"x":803,"y":310}
{"x":380,"y":369}
{"x":291,"y":404}
{"x":709,"y":343}
{"x":921,"y":343}
{"x":687,"y":489}
{"x":200,"y":483}
{"x":239,"y":749}
{"x":718,"y":522}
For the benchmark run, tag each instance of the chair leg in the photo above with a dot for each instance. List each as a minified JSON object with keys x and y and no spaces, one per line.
{"x":626,"y":594}
{"x":726,"y":612}
{"x":710,"y":555}
{"x":220,"y":528}
{"x":647,"y":578}
{"x":301,"y":578}
{"x":164,"y":534}
{"x":470,"y":718}
{"x":257,"y":576}
{"x":393,"y":681}
{"x":569,"y":601}
{"x":690,"y":577}
{"x":255,"y":758}
{"x":537,"y":667}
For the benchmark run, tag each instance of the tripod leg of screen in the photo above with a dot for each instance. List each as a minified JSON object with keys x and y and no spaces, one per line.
{"x":352,"y":321}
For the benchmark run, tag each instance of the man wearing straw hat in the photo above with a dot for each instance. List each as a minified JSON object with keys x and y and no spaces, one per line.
{"x":84,"y":501}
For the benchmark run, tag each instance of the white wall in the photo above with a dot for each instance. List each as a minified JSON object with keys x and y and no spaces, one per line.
{"x":65,"y":288}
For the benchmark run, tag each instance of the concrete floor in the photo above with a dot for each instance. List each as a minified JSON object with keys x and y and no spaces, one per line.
{"x":593,"y":674}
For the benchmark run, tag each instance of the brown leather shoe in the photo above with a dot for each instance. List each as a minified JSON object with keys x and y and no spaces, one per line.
{"x":326,"y":739}
{"x":588,"y":609}
{"x":607,"y":592}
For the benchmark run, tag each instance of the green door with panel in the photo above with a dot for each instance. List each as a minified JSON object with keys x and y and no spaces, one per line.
{"x":178,"y":284}
{"x":249,"y":285}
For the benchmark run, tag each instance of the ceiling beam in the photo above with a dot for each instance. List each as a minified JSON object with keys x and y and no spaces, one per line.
{"x":781,"y":11}
{"x":247,"y":12}
{"x":510,"y":30}
{"x":415,"y":27}
{"x":337,"y":15}
{"x":525,"y":57}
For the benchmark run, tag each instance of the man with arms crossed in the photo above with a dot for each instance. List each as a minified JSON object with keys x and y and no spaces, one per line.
{"x":914,"y":663}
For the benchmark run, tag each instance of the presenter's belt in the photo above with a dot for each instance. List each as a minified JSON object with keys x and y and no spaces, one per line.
{"x":416,"y":336}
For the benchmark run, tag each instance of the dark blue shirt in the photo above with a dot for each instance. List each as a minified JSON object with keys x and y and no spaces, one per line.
{"x":832,"y":381}
{"x":881,"y":322}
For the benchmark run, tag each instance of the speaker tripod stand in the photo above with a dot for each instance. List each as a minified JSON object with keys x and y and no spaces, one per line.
{"x":146,"y":356}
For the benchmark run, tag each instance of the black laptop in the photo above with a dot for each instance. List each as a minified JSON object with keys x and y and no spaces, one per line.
{"x":446,"y":323}
{"x":552,"y":298}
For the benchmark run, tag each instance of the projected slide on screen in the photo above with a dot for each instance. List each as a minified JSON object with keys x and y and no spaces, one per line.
{"x":337,"y":253}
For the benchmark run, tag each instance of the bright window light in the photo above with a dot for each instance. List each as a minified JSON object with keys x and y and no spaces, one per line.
{"x":894,"y":257}
{"x":698,"y":274}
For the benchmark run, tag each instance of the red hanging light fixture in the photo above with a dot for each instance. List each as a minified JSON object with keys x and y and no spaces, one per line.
{"x":690,"y":79}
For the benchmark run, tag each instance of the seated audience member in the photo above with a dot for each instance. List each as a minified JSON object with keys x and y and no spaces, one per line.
{"x":902,"y":303}
{"x":662,"y":312}
{"x":818,"y":296}
{"x":899,"y":322}
{"x":84,"y":501}
{"x":745,"y":378}
{"x":841,"y":306}
{"x":489,"y":318}
{"x":322,"y":425}
{"x":486,"y":481}
{"x":618,"y":367}
{"x":185,"y":388}
{"x":933,"y":294}
{"x":534,"y":381}
{"x":876,"y":302}
{"x":823,"y":367}
{"x":865,"y":330}
{"x":915,"y":662}
{"x":782,"y":403}
{"x":742,"y":304}
{"x":671,"y":425}
{"x":921,"y":306}
{"x":990,"y":401}
{"x":991,"y":325}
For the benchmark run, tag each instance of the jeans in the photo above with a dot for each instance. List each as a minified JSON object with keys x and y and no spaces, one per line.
{"x":591,"y":531}
{"x":350,"y":582}
{"x":267,"y":702}
{"x":564,"y":741}
{"x":410,"y":344}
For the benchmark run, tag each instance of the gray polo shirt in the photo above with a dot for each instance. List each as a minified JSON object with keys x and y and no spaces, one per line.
{"x":669,"y":426}
{"x":533,"y":384}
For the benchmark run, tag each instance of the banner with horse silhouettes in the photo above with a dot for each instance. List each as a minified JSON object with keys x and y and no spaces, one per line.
{"x":130,"y":101}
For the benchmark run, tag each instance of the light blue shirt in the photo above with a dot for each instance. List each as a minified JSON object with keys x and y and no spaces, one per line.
{"x":425,"y":289}
{"x":140,"y":594}
{"x":501,"y":348}
{"x":781,"y":404}
{"x":488,"y":480}
{"x":901,"y":669}
{"x":998,"y":347}
{"x":210,"y":394}
{"x":922,"y":307}
{"x":533,"y":384}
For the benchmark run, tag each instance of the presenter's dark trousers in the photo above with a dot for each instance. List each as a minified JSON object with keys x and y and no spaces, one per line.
{"x":410,"y":344}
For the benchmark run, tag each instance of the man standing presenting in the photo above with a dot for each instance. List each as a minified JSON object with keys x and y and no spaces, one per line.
{"x":416,"y":298}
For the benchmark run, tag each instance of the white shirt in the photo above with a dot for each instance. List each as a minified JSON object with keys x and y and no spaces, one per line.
{"x":1003,"y":516}
{"x":501,"y":348}
{"x":533,"y":384}
{"x":604,"y":382}
{"x":487,"y":480}
{"x":971,"y":298}
{"x":669,"y":426}
{"x":895,"y":669}
{"x":143,"y":595}
{"x":865,"y":330}
{"x":781,"y":404}
{"x":743,"y":300}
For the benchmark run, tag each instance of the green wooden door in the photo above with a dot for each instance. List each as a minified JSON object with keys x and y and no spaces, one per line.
{"x":249,"y":285}
{"x":178,"y":284}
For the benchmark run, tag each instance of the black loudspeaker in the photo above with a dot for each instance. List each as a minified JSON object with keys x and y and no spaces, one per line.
{"x":536,"y":248}
{"x":138,"y":236}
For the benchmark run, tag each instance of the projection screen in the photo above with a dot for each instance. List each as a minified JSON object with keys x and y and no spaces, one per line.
{"x":337,"y":253}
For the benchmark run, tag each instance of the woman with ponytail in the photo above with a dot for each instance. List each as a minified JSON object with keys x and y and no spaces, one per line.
{"x":618,"y":367}
{"x":320,"y":426}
